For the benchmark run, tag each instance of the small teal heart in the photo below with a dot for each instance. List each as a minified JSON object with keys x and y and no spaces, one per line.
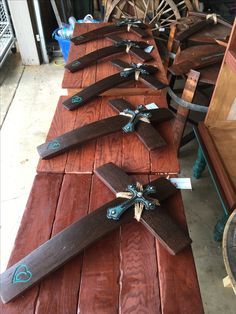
{"x":54,"y":144}
{"x":76,"y":62}
{"x":21,"y":274}
{"x":76,"y":99}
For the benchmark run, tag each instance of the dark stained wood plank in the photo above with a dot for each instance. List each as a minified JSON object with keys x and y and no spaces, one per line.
{"x":74,"y":53}
{"x":59,"y":292}
{"x":81,"y":160}
{"x":61,"y":248}
{"x":196,"y":57}
{"x":99,"y":291}
{"x":35,"y":228}
{"x":76,"y":138}
{"x":163,"y":160}
{"x":63,"y":121}
{"x":102,"y":31}
{"x":139,"y":290}
{"x":177,"y":274}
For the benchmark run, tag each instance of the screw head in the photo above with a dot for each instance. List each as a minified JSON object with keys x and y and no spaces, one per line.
{"x":139,"y":194}
{"x":113,"y":212}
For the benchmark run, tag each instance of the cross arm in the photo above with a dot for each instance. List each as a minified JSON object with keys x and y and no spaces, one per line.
{"x":157,"y":221}
{"x":139,"y":30}
{"x":59,"y":249}
{"x":149,"y":136}
{"x":81,"y":135}
{"x":94,"y":90}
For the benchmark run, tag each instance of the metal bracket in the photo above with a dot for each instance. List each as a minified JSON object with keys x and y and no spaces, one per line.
{"x":136,"y":196}
{"x":186,"y":104}
{"x":135,"y":68}
{"x":127,"y":43}
{"x":140,"y":113}
{"x":129,"y":22}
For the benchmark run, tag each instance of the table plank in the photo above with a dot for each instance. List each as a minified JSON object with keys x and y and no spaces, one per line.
{"x":35,"y":229}
{"x":67,"y":278}
{"x":139,"y":282}
{"x":177,"y":274}
{"x":99,"y":289}
{"x":63,"y":121}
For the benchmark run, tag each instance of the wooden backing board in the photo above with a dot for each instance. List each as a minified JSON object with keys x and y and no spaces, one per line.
{"x":75,"y":81}
{"x":120,"y":271}
{"x":125,"y":150}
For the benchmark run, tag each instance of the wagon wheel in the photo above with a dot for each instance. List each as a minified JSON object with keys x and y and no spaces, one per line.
{"x":158,"y":13}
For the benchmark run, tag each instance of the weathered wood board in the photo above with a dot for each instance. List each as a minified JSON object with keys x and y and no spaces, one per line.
{"x":125,"y":150}
{"x":123,"y":272}
{"x":73,"y":82}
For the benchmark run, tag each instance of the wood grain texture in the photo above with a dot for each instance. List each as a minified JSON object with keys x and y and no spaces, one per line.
{"x":35,"y":229}
{"x":196,"y":57}
{"x":183,"y":113}
{"x":74,"y":80}
{"x":210,"y":33}
{"x":222,"y":178}
{"x":99,"y":291}
{"x":81,"y":160}
{"x":63,"y":121}
{"x":66,"y":281}
{"x":139,"y":290}
{"x":177,"y":274}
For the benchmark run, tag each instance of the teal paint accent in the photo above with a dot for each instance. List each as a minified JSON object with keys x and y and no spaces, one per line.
{"x":76,"y":62}
{"x":199,"y":165}
{"x":140,"y":112}
{"x":137,"y":197}
{"x":21,"y":274}
{"x":219,"y":228}
{"x":79,"y":37}
{"x":53,"y":145}
{"x":76,"y":99}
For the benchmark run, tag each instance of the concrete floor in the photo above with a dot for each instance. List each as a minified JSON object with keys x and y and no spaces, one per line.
{"x":28,"y":99}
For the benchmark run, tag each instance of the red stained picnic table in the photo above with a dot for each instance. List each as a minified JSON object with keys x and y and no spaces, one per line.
{"x":127,"y":271}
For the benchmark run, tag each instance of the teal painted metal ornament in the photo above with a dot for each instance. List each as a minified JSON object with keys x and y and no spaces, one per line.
{"x":137,"y":195}
{"x":135,"y":115}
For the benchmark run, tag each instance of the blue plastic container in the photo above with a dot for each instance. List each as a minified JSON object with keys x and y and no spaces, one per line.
{"x":63,"y":43}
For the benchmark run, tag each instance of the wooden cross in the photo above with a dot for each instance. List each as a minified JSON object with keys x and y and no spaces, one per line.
{"x":120,"y":45}
{"x":71,"y":241}
{"x":124,"y":25}
{"x":129,"y":72}
{"x":129,"y":119}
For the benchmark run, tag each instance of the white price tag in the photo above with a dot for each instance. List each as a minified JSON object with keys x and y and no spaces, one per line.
{"x":182,"y":183}
{"x":148,"y":49}
{"x":151,"y":106}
